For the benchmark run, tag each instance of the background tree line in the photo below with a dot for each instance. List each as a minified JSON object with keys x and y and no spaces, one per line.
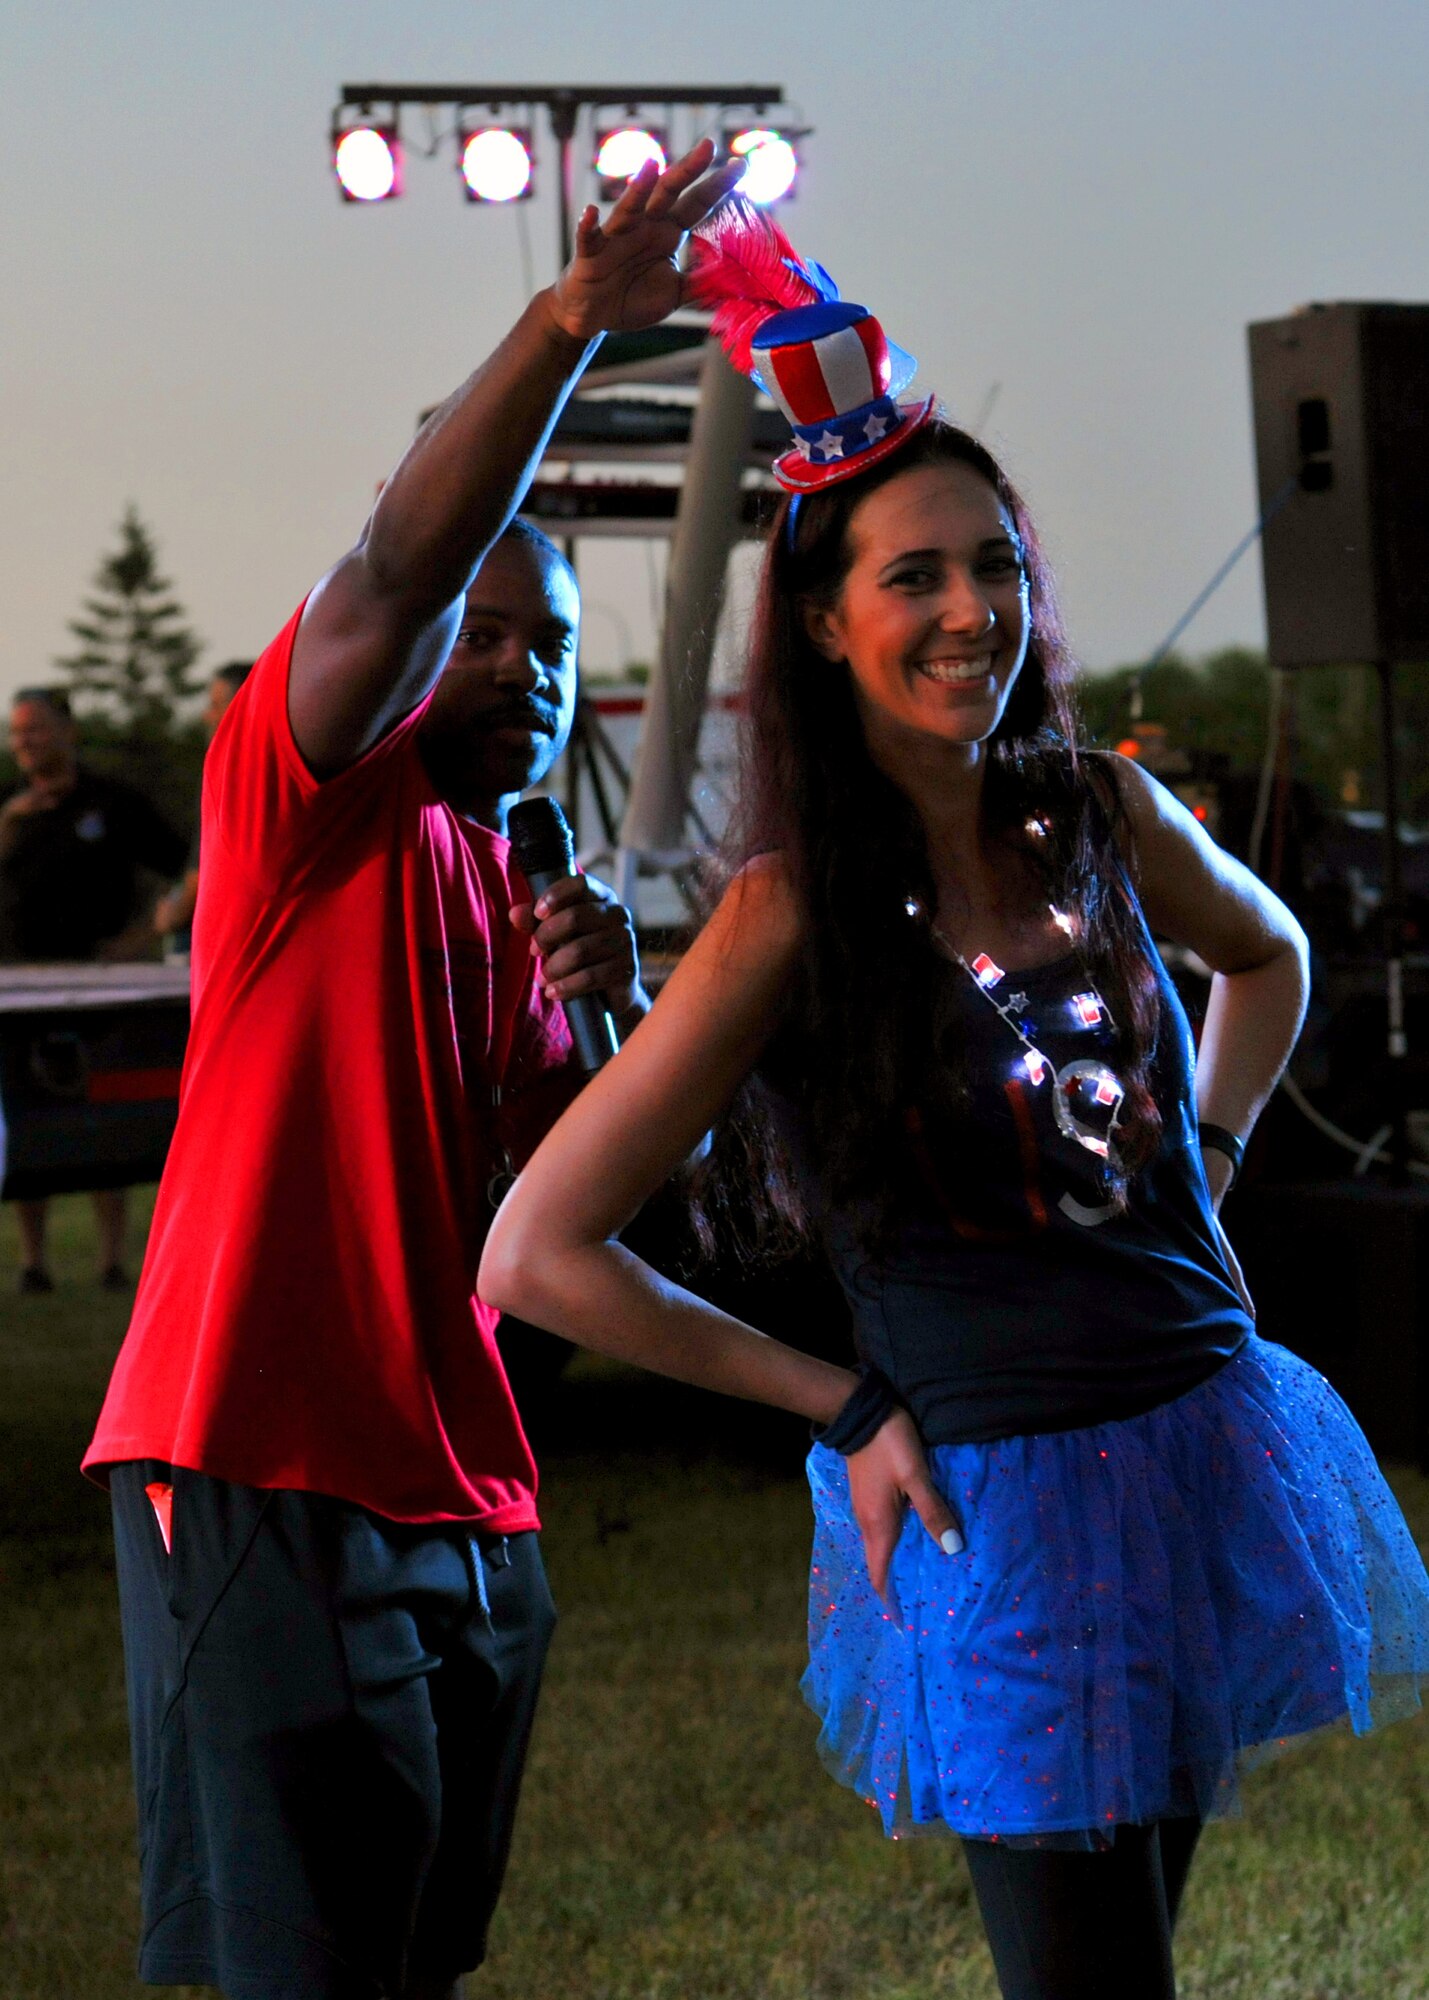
{"x":133,"y":681}
{"x":1217,"y":709}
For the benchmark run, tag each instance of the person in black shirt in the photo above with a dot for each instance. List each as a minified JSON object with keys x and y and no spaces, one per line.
{"x":72,"y":844}
{"x":174,"y":912}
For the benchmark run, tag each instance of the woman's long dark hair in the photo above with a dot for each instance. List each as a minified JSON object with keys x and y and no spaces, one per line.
{"x":865,"y":1029}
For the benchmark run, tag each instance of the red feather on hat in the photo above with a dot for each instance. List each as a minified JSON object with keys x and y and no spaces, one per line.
{"x":744,"y":269}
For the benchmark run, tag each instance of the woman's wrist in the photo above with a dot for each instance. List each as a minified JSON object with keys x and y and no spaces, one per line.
{"x":1223,"y":1153}
{"x":864,"y":1413}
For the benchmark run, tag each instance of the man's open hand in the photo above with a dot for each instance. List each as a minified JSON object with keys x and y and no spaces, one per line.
{"x":623,"y":273}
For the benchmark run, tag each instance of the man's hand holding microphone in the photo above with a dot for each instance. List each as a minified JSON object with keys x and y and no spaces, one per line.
{"x":583,"y":937}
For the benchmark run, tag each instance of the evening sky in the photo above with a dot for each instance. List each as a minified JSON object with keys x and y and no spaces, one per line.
{"x":1083,"y":203}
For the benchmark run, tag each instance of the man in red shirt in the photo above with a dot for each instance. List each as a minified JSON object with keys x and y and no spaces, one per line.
{"x":333,"y":1606}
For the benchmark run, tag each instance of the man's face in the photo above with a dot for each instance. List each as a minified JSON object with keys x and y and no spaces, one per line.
{"x":41,"y":740}
{"x":503,"y":707}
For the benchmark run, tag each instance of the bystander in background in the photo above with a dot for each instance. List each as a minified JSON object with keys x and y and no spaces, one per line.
{"x":73,"y":847}
{"x":174,"y":912}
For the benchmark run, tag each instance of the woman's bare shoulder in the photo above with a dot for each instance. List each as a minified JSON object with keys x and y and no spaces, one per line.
{"x":1192,"y":889}
{"x":738,"y":969}
{"x":759,"y":909}
{"x":1128,"y":795}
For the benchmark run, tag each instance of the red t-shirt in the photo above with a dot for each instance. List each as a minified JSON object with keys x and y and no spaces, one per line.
{"x":305,"y":1316}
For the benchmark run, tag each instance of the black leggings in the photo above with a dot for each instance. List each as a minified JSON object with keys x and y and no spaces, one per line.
{"x":1078,"y":1925}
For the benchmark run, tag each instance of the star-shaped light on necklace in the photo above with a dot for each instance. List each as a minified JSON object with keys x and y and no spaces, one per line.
{"x":875,"y":428}
{"x":1016,"y":1001}
{"x":831,"y":445}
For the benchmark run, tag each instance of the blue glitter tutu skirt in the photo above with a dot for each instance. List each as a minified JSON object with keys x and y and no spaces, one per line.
{"x":1143,"y":1608}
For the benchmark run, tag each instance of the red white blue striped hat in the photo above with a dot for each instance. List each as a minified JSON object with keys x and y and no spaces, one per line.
{"x":837,"y":377}
{"x":825,"y":361}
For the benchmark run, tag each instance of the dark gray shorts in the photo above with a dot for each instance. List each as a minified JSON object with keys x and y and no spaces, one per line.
{"x":329,"y":1714}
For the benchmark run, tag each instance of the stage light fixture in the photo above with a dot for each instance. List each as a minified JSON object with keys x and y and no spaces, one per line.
{"x":367,"y":160}
{"x":622,"y":152}
{"x":773,"y":164}
{"x":496,"y":163}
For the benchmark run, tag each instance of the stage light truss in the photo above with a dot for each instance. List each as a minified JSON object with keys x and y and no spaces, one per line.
{"x":492,"y":127}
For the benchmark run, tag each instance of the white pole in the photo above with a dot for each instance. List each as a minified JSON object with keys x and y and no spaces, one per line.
{"x":706,"y":528}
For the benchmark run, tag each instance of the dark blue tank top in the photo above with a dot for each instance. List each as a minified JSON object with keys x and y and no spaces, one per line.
{"x":1014,"y":1298}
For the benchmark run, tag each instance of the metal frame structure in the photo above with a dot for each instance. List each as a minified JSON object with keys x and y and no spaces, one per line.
{"x":563,"y":103}
{"x":715,"y":439}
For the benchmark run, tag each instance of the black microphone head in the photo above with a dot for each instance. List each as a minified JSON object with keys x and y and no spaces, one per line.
{"x":541,"y":838}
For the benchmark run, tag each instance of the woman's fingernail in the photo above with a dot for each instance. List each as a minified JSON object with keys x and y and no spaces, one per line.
{"x":543,"y":908}
{"x":950,"y":1542}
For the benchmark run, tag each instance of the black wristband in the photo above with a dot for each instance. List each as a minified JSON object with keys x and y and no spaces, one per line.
{"x":865,"y":1413}
{"x":1222,"y":1141}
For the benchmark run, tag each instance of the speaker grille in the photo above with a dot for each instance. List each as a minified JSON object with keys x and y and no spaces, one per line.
{"x":1341,"y":399}
{"x":1396,"y":404}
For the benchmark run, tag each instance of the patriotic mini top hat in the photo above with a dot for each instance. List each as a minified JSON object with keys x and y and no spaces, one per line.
{"x":825,"y":361}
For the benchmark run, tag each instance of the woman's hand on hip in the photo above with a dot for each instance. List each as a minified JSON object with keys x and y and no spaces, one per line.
{"x":889,"y":1474}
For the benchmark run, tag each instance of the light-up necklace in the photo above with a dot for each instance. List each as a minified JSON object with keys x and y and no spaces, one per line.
{"x":1086,"y":1096}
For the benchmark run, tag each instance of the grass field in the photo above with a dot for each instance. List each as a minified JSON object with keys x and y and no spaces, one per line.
{"x":678,"y":1840}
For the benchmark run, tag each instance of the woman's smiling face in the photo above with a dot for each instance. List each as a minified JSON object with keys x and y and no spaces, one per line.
{"x":932,"y":617}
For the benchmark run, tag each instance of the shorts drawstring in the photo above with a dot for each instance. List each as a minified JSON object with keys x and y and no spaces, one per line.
{"x":496,"y":1550}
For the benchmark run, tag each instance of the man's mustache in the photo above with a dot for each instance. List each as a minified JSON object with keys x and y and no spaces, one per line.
{"x":521,"y":715}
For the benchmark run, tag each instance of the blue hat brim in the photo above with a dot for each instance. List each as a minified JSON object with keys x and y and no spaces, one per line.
{"x":797,"y":473}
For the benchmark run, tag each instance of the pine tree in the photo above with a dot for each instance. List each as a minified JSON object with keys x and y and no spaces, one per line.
{"x":135,"y":649}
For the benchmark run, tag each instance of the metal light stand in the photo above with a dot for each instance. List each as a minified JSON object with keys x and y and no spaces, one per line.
{"x":564,"y":103}
{"x":1392,"y":914}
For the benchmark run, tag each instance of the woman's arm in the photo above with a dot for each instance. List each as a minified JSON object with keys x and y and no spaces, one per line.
{"x":1196,"y":893}
{"x":551,"y":1256}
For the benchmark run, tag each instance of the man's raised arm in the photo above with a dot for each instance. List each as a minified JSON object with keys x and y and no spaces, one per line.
{"x":377,"y":629}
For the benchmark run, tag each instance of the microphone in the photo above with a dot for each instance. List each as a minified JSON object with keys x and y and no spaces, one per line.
{"x":545,"y":853}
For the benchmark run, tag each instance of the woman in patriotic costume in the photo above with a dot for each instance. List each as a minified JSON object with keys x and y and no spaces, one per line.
{"x":1085,"y":1545}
